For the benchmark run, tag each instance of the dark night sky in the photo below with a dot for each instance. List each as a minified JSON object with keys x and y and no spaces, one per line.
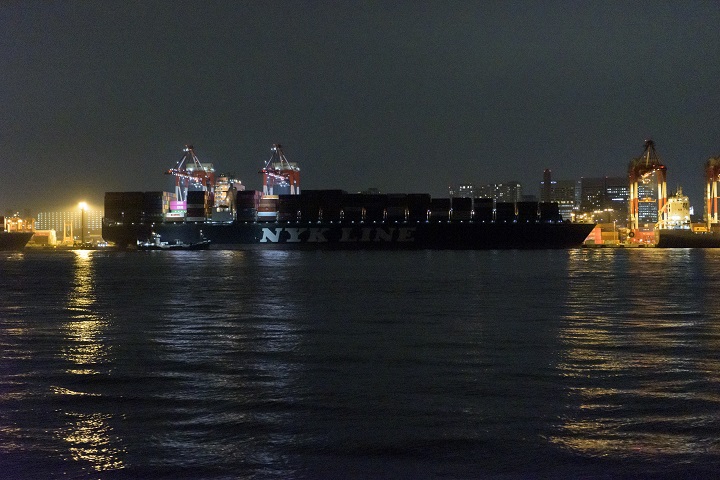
{"x":404,"y":96}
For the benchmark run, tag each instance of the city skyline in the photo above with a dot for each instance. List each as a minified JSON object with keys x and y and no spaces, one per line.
{"x":480,"y":189}
{"x":402,"y":97}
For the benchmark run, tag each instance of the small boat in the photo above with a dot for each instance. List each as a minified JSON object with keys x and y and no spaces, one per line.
{"x":156,"y":244}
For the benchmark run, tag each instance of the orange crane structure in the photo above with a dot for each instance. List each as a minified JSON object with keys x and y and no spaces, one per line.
{"x":640,"y":171}
{"x":279,"y":172}
{"x":189,"y":171}
{"x":712,"y":175}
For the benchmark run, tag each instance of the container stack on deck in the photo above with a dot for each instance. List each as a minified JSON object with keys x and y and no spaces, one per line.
{"x":483,"y":209}
{"x":440,"y":209}
{"x":505,"y":212}
{"x":327,"y":206}
{"x":246,"y":204}
{"x":549,"y":212}
{"x":461,"y":209}
{"x":198,"y":206}
{"x":418,"y":205}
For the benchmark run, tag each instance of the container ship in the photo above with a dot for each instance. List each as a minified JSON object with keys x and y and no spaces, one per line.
{"x":10,"y":237}
{"x":217,"y":211}
{"x":668,"y":238}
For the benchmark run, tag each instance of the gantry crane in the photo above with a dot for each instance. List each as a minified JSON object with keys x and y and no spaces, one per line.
{"x":189,"y":171}
{"x":278,"y":171}
{"x":712,"y":176}
{"x":640,"y":170}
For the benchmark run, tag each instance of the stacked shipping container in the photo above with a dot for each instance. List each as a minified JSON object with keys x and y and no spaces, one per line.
{"x":325,"y":206}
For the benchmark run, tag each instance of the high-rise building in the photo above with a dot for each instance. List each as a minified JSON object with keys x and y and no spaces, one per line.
{"x":509,"y":192}
{"x":546,"y":186}
{"x":59,"y":220}
{"x":604,"y":193}
{"x":561,"y":192}
{"x":617,"y":193}
{"x":648,"y":199}
{"x":466,"y":190}
{"x":592,"y":194}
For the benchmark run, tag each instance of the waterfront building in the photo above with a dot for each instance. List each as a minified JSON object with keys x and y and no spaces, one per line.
{"x":562,"y":192}
{"x":617,"y":193}
{"x":592,"y":194}
{"x":509,"y":192}
{"x":605,"y":193}
{"x":70,"y":221}
{"x":466,"y":190}
{"x":44,"y":237}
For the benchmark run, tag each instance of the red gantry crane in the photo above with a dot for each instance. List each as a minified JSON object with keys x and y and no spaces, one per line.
{"x":640,"y":171}
{"x":189,"y":171}
{"x":278,"y":171}
{"x":712,"y":175}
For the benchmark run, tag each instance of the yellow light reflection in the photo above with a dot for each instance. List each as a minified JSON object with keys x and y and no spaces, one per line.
{"x":89,"y":435}
{"x":91,"y":439}
{"x":85,"y":328}
{"x":627,"y":355}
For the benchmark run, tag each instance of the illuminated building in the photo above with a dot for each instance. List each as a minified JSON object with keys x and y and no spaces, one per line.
{"x":647,"y":200}
{"x":592,"y":194}
{"x":44,"y":237}
{"x":509,"y":192}
{"x":561,"y":192}
{"x":59,"y":221}
{"x":617,"y":193}
{"x":604,"y":193}
{"x":463,"y":191}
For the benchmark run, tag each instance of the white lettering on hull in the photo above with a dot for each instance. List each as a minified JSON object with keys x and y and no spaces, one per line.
{"x":295,"y":234}
{"x":270,"y":235}
{"x":382,"y":235}
{"x":317,"y":235}
{"x":347,"y":234}
{"x":406,"y":235}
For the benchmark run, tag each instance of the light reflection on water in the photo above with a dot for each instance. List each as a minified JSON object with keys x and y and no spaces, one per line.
{"x":225,"y":345}
{"x":89,"y":435}
{"x":92,"y":440}
{"x":634,"y":339}
{"x":276,"y":364}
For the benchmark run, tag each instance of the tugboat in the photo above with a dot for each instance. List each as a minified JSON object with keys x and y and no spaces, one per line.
{"x":156,"y":244}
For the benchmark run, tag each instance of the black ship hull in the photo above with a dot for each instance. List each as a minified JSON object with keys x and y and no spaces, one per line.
{"x":14,"y":240}
{"x":688,"y":239}
{"x":338,"y":235}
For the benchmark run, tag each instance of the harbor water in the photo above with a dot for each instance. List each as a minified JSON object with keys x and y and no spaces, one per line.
{"x":364,"y":364}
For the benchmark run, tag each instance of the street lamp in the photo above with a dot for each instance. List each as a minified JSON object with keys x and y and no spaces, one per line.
{"x":83,"y":206}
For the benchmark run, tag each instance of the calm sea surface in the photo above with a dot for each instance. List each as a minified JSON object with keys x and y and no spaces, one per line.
{"x":430,"y":364}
